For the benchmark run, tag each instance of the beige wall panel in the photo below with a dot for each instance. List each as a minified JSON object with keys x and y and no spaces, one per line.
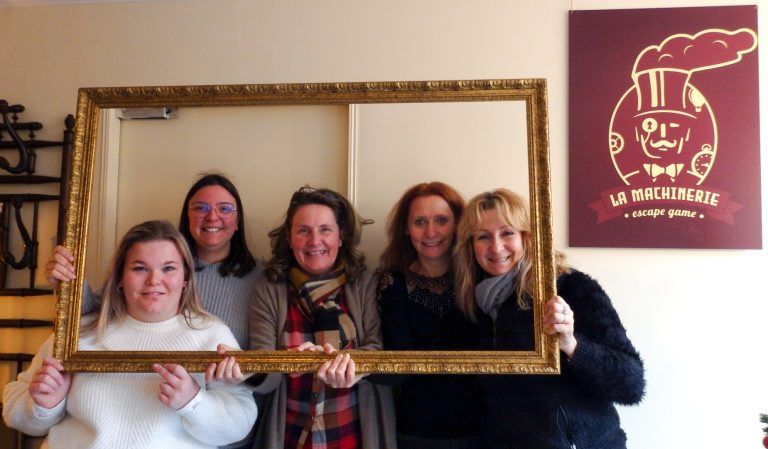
{"x":267,"y":151}
{"x":473,"y":147}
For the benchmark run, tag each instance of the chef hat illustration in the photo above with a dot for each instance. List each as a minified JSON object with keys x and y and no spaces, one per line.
{"x":665,"y":90}
{"x":662,"y":72}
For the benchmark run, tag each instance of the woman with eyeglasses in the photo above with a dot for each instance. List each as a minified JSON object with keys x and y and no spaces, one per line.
{"x":213,"y":223}
{"x":317,"y":295}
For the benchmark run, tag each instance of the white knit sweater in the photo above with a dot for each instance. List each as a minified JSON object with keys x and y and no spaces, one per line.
{"x":108,"y":410}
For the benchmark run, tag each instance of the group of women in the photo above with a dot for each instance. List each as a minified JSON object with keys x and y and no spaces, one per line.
{"x":453,"y":277}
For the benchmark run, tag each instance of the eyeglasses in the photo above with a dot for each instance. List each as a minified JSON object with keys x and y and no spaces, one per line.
{"x":223,"y":210}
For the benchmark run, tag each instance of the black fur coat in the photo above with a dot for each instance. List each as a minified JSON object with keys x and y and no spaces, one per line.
{"x":575,"y":408}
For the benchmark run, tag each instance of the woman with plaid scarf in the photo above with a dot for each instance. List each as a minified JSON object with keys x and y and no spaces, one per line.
{"x":317,"y":293}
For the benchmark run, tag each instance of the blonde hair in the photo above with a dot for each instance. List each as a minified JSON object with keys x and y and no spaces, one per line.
{"x":513,"y":209}
{"x":113,"y":304}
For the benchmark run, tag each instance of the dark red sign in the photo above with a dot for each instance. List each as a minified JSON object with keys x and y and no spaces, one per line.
{"x":664,"y":137}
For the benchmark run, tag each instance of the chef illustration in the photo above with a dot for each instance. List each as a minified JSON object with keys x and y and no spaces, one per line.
{"x":663,"y":129}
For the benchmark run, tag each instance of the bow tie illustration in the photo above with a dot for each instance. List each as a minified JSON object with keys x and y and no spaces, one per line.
{"x":671,"y":170}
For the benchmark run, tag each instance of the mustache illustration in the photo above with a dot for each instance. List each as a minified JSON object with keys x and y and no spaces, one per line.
{"x":663,"y":143}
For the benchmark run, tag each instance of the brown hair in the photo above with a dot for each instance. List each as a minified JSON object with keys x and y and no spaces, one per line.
{"x":113,"y":305}
{"x":400,"y":253}
{"x":350,"y":230}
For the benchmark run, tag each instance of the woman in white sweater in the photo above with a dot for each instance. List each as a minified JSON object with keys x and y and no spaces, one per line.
{"x":150,"y":304}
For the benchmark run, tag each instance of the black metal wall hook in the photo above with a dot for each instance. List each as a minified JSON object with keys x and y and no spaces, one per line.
{"x":9,"y":125}
{"x":12,"y":203}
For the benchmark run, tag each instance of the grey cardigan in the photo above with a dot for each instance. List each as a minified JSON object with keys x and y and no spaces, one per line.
{"x":267,"y":316}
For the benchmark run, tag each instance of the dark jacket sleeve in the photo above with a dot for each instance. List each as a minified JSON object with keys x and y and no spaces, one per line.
{"x":393,"y":306}
{"x":605,"y":362}
{"x":395,"y":327}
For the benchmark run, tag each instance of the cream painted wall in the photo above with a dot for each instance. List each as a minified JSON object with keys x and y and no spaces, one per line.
{"x":460,"y":144}
{"x":267,"y":151}
{"x":701,"y":331}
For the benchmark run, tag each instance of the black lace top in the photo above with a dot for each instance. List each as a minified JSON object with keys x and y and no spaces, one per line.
{"x":419,"y":312}
{"x":435,"y":295}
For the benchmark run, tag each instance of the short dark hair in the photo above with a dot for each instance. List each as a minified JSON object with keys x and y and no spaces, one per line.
{"x":239,"y":261}
{"x":350,"y":230}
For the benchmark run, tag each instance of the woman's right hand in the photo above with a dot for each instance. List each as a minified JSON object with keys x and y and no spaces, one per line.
{"x":50,"y":384}
{"x":60,"y":267}
{"x":307,"y":346}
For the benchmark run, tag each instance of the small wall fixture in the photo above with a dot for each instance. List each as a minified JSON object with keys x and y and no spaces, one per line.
{"x":162,"y":113}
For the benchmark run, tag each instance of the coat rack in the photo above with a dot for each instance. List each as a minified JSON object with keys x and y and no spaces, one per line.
{"x":11,"y":204}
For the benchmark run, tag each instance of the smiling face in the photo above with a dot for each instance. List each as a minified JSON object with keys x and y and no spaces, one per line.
{"x":498,"y":247}
{"x":212,"y":230}
{"x":315,"y":238}
{"x":431,"y":228}
{"x":152,"y":280}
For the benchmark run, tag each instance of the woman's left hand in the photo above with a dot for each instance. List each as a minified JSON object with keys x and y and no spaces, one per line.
{"x":227,"y":371}
{"x":177,"y":387}
{"x":558,"y":319}
{"x":339,"y":372}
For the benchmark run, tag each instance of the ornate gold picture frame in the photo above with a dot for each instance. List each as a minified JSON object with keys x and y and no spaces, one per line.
{"x":544,"y":359}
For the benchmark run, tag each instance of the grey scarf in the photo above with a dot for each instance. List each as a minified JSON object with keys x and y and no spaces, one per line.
{"x":491,"y":293}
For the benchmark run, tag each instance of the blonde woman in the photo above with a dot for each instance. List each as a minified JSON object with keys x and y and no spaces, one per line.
{"x":149,"y":304}
{"x":600,"y":366}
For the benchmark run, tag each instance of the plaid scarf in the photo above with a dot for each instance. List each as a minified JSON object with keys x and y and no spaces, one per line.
{"x":317,"y":300}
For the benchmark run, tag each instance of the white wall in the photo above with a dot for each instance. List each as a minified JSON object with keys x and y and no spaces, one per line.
{"x":701,"y":332}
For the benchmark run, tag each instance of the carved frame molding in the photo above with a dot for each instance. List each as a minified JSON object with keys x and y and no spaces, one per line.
{"x":91,"y":101}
